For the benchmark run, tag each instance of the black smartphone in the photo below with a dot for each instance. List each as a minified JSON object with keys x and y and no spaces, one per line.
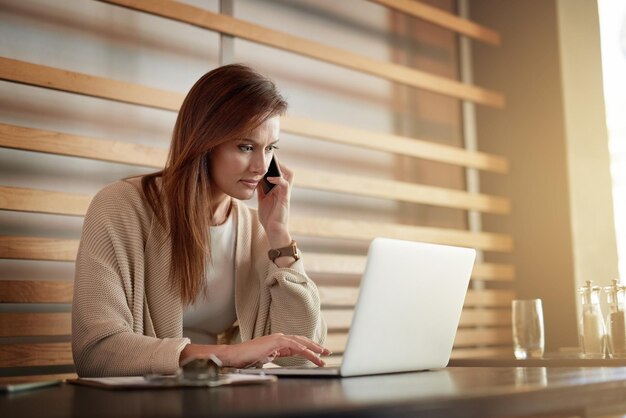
{"x":272,"y":171}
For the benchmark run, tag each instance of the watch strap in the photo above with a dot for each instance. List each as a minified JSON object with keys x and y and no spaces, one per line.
{"x":290,"y":250}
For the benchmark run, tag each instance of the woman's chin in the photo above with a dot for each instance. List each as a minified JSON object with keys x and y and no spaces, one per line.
{"x":243,"y":194}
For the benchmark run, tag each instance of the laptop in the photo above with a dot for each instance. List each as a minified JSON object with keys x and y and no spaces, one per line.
{"x":407,"y":313}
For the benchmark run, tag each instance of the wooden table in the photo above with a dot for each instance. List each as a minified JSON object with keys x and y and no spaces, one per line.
{"x":450,"y":392}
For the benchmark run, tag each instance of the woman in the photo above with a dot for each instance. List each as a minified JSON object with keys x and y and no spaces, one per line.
{"x":175,"y":254}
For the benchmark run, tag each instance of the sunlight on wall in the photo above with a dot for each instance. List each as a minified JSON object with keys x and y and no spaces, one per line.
{"x":613,"y":45}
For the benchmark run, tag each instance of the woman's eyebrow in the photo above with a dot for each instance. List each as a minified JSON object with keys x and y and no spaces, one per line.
{"x":257,"y":142}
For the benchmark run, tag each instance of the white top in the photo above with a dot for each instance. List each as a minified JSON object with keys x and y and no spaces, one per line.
{"x":214,"y":312}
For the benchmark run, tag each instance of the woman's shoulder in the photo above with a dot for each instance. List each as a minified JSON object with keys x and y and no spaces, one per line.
{"x":118,"y":223}
{"x":120,"y":195}
{"x":123,"y":187}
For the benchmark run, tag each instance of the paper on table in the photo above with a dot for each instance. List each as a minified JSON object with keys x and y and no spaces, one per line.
{"x":19,"y":387}
{"x":140,"y":382}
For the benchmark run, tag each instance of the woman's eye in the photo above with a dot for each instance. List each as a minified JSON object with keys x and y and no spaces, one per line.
{"x":271,"y":148}
{"x":246,"y":148}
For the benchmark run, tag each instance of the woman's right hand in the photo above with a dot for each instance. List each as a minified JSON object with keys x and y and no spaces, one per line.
{"x":259,"y":350}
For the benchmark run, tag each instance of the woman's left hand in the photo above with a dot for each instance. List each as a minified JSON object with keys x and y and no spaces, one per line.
{"x":274,"y":208}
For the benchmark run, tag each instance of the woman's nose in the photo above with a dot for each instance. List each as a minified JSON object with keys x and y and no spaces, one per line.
{"x":259,"y":163}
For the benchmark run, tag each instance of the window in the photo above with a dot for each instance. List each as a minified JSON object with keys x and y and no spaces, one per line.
{"x":613,"y":45}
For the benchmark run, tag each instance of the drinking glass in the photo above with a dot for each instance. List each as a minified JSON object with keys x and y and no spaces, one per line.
{"x":528,"y":338}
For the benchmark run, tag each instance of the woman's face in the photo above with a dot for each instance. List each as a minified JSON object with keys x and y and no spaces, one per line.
{"x":237,"y":166}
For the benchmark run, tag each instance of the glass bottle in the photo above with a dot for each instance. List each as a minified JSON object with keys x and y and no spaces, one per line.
{"x":615,"y":324}
{"x":592,"y":333}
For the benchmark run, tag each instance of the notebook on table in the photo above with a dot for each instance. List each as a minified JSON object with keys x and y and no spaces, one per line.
{"x":407,"y":313}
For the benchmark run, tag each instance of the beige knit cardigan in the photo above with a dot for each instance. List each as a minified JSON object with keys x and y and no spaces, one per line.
{"x":127,"y":319}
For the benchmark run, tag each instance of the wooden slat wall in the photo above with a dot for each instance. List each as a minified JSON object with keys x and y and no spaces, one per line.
{"x":244,"y":30}
{"x":88,"y":85}
{"x":493,"y":320}
{"x":35,"y":291}
{"x":33,"y":355}
{"x":443,"y":19}
{"x":395,"y":144}
{"x":71,"y":204}
{"x":23,"y":138}
{"x":38,"y":248}
{"x":36,"y":324}
{"x":338,"y":317}
{"x":485,"y":322}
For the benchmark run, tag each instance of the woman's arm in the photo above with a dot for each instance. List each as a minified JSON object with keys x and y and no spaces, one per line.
{"x":108,"y":307}
{"x":294,"y":305}
{"x":259,"y":350}
{"x":104,"y":341}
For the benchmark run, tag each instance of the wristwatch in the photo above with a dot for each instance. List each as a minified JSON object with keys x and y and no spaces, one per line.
{"x":290,"y":250}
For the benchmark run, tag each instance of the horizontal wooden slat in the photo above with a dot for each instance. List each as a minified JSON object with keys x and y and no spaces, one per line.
{"x":29,"y":355}
{"x":491,"y":271}
{"x":394,"y":144}
{"x":336,"y":341}
{"x":444,"y":19}
{"x":52,"y":249}
{"x":228,"y":25}
{"x":57,"y":79}
{"x":482,"y":352}
{"x":43,"y":201}
{"x":36,"y":291}
{"x":489,"y":298}
{"x":31,"y":324}
{"x":30,"y":139}
{"x":28,"y":324}
{"x":338,"y":295}
{"x":338,"y":319}
{"x":400,"y":191}
{"x":485,"y":317}
{"x":33,"y":248}
{"x":334,"y":263}
{"x":362,"y":230}
{"x":483,"y":336}
{"x":46,"y":202}
{"x":315,"y":263}
{"x":34,"y":200}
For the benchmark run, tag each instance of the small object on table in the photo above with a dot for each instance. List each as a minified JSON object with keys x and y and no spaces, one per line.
{"x":591,"y":331}
{"x":21,"y":387}
{"x":528,"y":334}
{"x":615,"y":323}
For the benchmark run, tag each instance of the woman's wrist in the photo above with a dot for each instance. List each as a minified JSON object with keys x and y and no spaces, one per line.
{"x":279,"y":239}
{"x":201,"y":350}
{"x":284,"y":261}
{"x":284,"y":256}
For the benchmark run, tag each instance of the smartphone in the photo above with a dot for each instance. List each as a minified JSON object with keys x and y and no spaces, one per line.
{"x":272,"y":171}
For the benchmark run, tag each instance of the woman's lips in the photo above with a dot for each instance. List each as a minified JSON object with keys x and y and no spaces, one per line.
{"x":250,"y":183}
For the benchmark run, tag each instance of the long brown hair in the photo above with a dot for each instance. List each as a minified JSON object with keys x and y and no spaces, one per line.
{"x":224,"y":104}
